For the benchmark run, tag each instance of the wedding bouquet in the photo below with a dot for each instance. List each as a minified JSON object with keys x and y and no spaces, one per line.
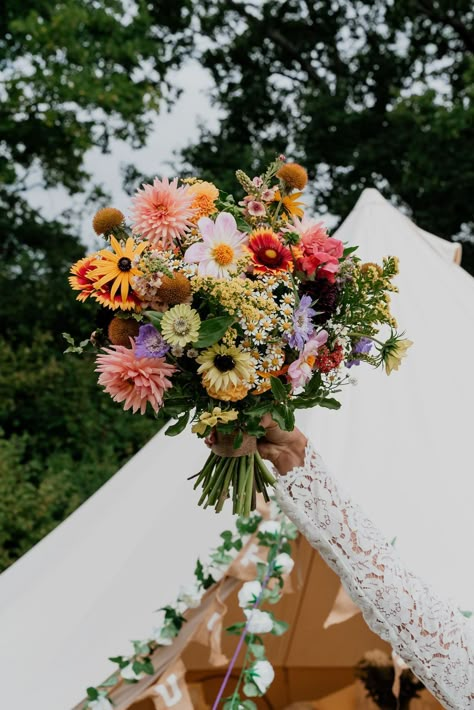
{"x":223,"y":311}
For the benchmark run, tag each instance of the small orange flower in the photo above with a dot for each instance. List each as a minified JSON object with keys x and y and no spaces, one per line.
{"x":267,"y":251}
{"x":231,"y":393}
{"x":106,"y":220}
{"x":205,"y":195}
{"x":293,"y":175}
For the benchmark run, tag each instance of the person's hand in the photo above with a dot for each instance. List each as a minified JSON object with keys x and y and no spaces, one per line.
{"x":285,"y":449}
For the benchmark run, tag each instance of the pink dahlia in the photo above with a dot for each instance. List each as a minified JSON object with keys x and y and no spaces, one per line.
{"x":162,"y":212}
{"x":134,"y":380}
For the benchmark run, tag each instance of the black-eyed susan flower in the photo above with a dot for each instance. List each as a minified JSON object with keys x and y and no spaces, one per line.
{"x":117,"y":267}
{"x":291,"y":203}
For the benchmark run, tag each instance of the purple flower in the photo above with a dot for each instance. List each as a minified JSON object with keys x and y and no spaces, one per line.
{"x":362,"y":347}
{"x":150,"y":343}
{"x":302,"y":324}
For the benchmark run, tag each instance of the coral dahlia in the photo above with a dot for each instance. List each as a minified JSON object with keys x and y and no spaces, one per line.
{"x":135,"y":381}
{"x":162,"y":212}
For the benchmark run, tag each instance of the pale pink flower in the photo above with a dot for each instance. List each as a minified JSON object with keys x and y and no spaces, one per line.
{"x":134,"y":380}
{"x":257,"y":181}
{"x":301,"y":370}
{"x":310,"y":230}
{"x":269,"y":194}
{"x":256,"y":209}
{"x":221,"y":248}
{"x":161,"y":212}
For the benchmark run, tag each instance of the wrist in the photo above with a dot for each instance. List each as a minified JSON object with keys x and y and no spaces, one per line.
{"x":293,"y":455}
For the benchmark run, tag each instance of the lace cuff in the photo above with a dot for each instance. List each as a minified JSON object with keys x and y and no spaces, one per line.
{"x":428,"y":632}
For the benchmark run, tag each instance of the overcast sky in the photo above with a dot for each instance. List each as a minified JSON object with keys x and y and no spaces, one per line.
{"x":172,"y":131}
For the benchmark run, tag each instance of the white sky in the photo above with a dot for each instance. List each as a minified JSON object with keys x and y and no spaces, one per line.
{"x":173,"y":130}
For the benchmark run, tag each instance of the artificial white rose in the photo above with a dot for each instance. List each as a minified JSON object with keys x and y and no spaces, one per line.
{"x":159,"y":638}
{"x":249,"y":593}
{"x":100,"y":704}
{"x":262,"y":675}
{"x":260,"y":622}
{"x":283,"y":563}
{"x":190,"y":595}
{"x":129,"y":674}
{"x":270,"y":527}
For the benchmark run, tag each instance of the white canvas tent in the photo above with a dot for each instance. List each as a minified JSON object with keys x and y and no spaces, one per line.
{"x":401,"y":444}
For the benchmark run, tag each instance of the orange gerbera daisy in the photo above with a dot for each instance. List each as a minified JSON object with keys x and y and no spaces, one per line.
{"x":291,"y":203}
{"x":83,"y":277}
{"x":267,"y":251}
{"x":118,"y":267}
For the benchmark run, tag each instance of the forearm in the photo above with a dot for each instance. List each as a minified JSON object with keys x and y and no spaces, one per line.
{"x":426,"y":631}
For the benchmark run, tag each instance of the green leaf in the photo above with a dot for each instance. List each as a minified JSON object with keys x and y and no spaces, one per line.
{"x":259,"y":409}
{"x":238,"y":440}
{"x":236,"y":629}
{"x":279,"y":627}
{"x":313,"y":386}
{"x":212,"y":330}
{"x":147,"y":667}
{"x":278,"y":389}
{"x":258,"y":650}
{"x":92,"y":693}
{"x":289,"y":419}
{"x":349,"y":250}
{"x":279,"y":413}
{"x":155,"y":318}
{"x":330,"y":403}
{"x":179,"y":426}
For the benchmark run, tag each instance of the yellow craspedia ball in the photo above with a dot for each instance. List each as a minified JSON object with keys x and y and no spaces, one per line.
{"x":107,"y":219}
{"x":293,"y":175}
{"x":121,"y":330}
{"x":232,"y":393}
{"x":174,"y":290}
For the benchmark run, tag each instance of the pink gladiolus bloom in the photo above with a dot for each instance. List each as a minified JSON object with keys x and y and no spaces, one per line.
{"x":256,"y":209}
{"x":136,"y":381}
{"x":301,"y":370}
{"x":221,"y":248}
{"x":161,"y":212}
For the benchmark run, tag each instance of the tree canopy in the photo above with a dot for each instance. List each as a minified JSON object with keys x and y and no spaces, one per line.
{"x":366,"y":93}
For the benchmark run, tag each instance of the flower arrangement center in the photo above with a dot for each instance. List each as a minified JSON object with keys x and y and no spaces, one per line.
{"x":124,"y":264}
{"x":223,"y":254}
{"x":224,"y":363}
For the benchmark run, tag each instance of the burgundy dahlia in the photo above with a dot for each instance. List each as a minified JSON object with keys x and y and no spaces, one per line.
{"x":325,"y":297}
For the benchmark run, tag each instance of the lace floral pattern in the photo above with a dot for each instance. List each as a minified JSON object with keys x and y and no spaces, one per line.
{"x":428,"y":632}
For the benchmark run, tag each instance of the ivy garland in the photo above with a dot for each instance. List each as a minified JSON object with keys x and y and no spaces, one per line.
{"x":257,"y":673}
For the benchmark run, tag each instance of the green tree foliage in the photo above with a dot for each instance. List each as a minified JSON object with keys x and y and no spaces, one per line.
{"x":366,"y":93}
{"x":75,"y":75}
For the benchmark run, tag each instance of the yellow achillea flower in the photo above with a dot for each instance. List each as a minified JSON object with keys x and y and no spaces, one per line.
{"x":117,"y":266}
{"x":180,"y":325}
{"x":210,"y":419}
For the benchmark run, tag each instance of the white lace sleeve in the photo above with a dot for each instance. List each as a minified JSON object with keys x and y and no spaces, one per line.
{"x":429,"y":633}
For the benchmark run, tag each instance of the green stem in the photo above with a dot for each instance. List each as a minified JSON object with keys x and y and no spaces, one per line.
{"x":235,"y":695}
{"x":243,"y":472}
{"x":225,"y":487}
{"x":267,"y":476}
{"x":249,"y":486}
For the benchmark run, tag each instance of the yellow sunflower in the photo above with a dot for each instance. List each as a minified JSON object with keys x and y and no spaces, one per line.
{"x":224,"y":366}
{"x":291,"y":203}
{"x":117,"y":266}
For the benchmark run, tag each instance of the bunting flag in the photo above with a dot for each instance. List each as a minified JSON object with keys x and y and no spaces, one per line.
{"x":209,"y":632}
{"x":171,"y":690}
{"x":342,"y":609}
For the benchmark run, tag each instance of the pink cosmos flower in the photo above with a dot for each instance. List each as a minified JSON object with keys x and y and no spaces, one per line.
{"x":161,"y":212}
{"x":221,"y":248}
{"x":300,"y":371}
{"x":256,"y":209}
{"x":134,"y":380}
